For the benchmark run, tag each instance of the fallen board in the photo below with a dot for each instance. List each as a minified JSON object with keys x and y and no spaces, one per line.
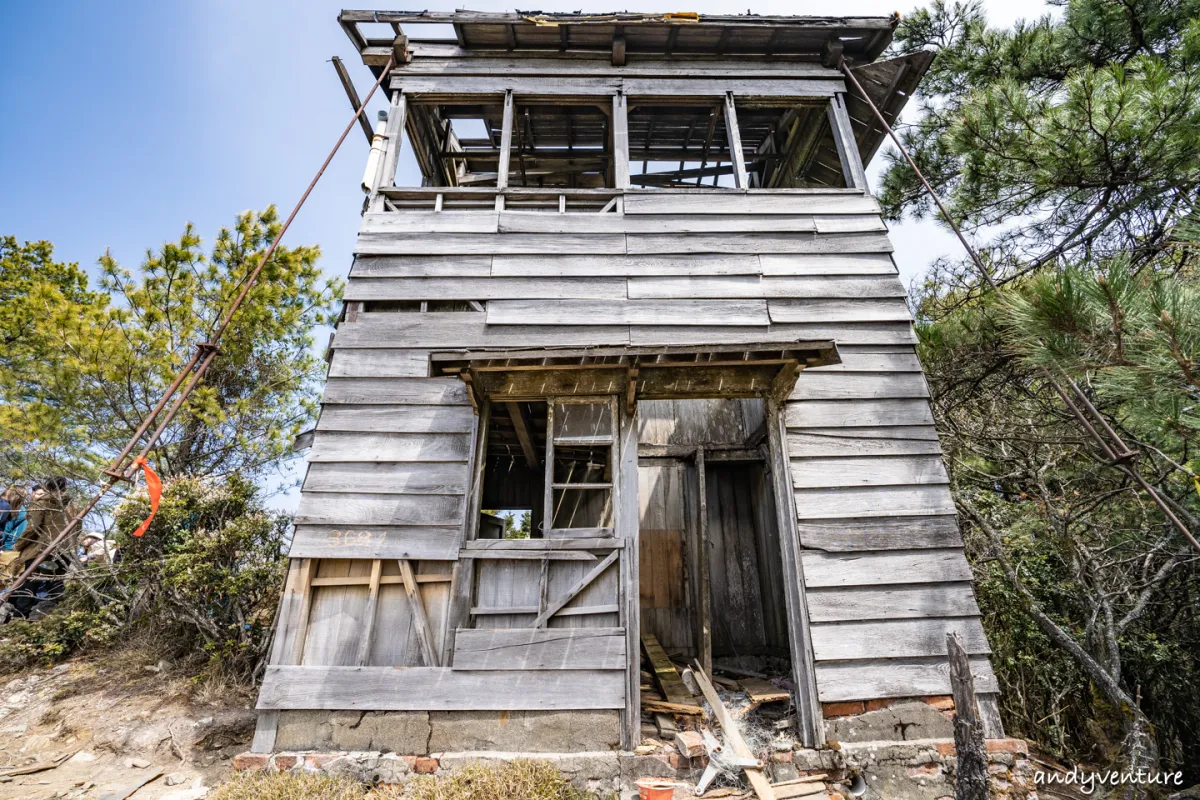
{"x":666,"y":674}
{"x":761,"y":691}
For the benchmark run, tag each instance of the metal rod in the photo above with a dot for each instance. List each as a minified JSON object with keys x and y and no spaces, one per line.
{"x":209,"y":349}
{"x":1122,"y":454}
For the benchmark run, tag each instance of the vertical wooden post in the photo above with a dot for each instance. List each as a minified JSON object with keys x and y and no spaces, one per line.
{"x":847,"y":147}
{"x":288,"y":644}
{"x":548,"y":474}
{"x":506,"y":132}
{"x":420,"y":619}
{"x":394,"y":130}
{"x":971,"y":782}
{"x":462,"y":580}
{"x":705,"y":644}
{"x":364,"y":645}
{"x":809,"y":722}
{"x":735,"y":143}
{"x":625,"y":497}
{"x":620,"y":128}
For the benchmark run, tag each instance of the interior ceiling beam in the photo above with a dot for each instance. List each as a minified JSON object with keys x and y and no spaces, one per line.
{"x":517,"y":414}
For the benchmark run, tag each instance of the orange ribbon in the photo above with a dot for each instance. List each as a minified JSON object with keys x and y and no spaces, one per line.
{"x":154,"y":487}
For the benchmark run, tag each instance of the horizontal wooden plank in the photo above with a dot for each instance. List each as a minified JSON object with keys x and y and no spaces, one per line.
{"x":355,"y":509}
{"x":552,"y":266}
{"x":770,"y":287}
{"x":876,"y":501}
{"x":758,"y":243}
{"x":449,"y":331}
{"x":667,"y":202}
{"x":451,"y":477}
{"x":872,"y":535}
{"x":893,"y":441}
{"x":389,"y":363}
{"x":883,"y":309}
{"x":364,"y":447}
{"x":893,"y":602}
{"x":395,"y":391}
{"x":858,"y":385}
{"x":858,"y":333}
{"x":868,"y":359}
{"x":396,"y":243}
{"x":857,"y":413}
{"x":420,"y":542}
{"x":412,"y":220}
{"x":816,"y":473}
{"x":484,"y":288}
{"x":396,"y":419}
{"x":433,"y":266}
{"x":439,"y":689}
{"x":438,"y":59}
{"x":876,"y":569}
{"x":539,"y":648}
{"x":862,"y":223}
{"x":543,"y":222}
{"x":827,"y":264}
{"x":870,"y":680}
{"x":503,"y":545}
{"x":742,"y":87}
{"x":529,"y":86}
{"x":630,"y":312}
{"x":906,"y":638}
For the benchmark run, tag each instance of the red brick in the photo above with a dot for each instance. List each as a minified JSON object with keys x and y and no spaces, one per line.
{"x":284,"y":763}
{"x":842,"y":709}
{"x":425,"y":766}
{"x":1007,"y":746}
{"x":945,"y":748}
{"x":678,"y":761}
{"x":251,"y":762}
{"x":942,"y":702}
{"x":875,"y":705}
{"x":782,"y":757}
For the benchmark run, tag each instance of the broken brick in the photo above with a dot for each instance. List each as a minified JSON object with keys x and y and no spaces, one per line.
{"x":842,"y":709}
{"x":251,"y":762}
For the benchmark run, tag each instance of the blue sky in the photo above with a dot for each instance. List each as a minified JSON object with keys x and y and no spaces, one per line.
{"x":123,"y":121}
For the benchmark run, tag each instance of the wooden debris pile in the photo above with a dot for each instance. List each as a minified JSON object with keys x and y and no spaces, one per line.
{"x":685,"y":717}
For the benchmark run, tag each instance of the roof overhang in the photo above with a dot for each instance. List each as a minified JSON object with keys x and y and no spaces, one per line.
{"x":636,"y":373}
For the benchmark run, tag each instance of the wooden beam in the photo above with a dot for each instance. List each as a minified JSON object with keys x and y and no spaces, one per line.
{"x":574,"y":591}
{"x":735,"y":143}
{"x":618,"y":47}
{"x":352,"y":95}
{"x":308,"y":566}
{"x":397,"y":117}
{"x":625,"y":505}
{"x":424,"y":633}
{"x":705,"y":589}
{"x":517,"y":415}
{"x":364,"y":644}
{"x":506,"y":132}
{"x":665,"y":673}
{"x":620,"y":127}
{"x":847,"y":148}
{"x":758,"y":780}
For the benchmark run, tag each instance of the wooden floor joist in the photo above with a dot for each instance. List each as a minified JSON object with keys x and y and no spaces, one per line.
{"x":666,"y":675}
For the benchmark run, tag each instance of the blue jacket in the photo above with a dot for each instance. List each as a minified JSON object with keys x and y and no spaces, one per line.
{"x":13,"y":530}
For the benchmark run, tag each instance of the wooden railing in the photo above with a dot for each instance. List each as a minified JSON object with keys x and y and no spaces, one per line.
{"x":478,"y":198}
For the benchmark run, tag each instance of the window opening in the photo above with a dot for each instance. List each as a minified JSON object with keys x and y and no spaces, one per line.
{"x":422,"y":306}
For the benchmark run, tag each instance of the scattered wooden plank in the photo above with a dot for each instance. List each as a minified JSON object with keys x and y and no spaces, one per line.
{"x":760,"y":691}
{"x":758,"y":780}
{"x":128,"y":791}
{"x":665,"y":673}
{"x":798,"y":790}
{"x":41,"y":766}
{"x":663,"y":707}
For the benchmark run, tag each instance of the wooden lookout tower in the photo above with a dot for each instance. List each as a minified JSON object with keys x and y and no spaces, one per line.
{"x":625,"y":366}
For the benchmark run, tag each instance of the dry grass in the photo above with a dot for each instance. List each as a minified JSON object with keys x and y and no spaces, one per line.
{"x":285,"y":786}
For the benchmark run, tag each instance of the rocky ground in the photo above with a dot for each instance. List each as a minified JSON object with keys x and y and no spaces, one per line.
{"x":116,"y":729}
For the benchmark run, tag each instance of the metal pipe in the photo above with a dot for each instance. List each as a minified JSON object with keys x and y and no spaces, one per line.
{"x":209,"y":349}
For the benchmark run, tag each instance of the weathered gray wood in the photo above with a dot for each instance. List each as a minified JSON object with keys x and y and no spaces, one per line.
{"x":858,"y":413}
{"x":971,"y":776}
{"x":630,"y":312}
{"x":731,"y":286}
{"x":734,"y":136}
{"x":893,"y":602}
{"x":343,"y":508}
{"x":989,"y":712}
{"x":899,"y":533}
{"x":264,"y":732}
{"x":628,"y":595}
{"x":434,"y":266}
{"x":827,"y":264}
{"x":526,"y":555}
{"x":551,"y":266}
{"x":844,"y":141}
{"x":388,"y":478}
{"x":870,"y":359}
{"x":430,"y":648}
{"x":875,"y":569}
{"x":866,"y":680}
{"x":904,"y":638}
{"x":620,"y":134}
{"x":883,"y":501}
{"x":858,"y":333}
{"x":891,"y":441}
{"x":733,"y":735}
{"x":749,"y":87}
{"x":361,"y":391}
{"x":441,"y":59}
{"x":431,"y":222}
{"x":469,"y":330}
{"x":363,"y":447}
{"x":420,"y":542}
{"x":813,"y":473}
{"x":703,"y":550}
{"x":397,"y":243}
{"x":542,"y":222}
{"x":553,"y":606}
{"x":795,"y":577}
{"x":501,"y":546}
{"x":729,"y":202}
{"x":756,"y":243}
{"x":529,"y":87}
{"x":484,"y":288}
{"x":396,"y":418}
{"x":865,"y":223}
{"x":292,"y":618}
{"x":438,"y":689}
{"x":858,"y":386}
{"x":394,"y":129}
{"x":540,"y":648}
{"x":364,"y":645}
{"x":890,"y":309}
{"x":379,"y":364}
